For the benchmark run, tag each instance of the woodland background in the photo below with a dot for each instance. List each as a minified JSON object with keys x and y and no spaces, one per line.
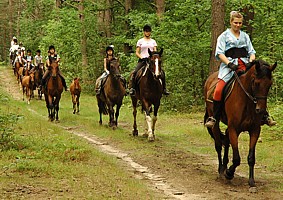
{"x":186,"y":29}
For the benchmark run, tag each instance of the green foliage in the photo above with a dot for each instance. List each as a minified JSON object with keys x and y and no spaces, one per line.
{"x":7,"y":128}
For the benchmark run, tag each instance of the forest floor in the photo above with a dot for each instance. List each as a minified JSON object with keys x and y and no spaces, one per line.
{"x":189,"y":175}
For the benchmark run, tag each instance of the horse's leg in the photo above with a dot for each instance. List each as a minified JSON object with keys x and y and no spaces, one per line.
{"x":233,"y":137}
{"x":226,"y":144}
{"x":216,"y":132}
{"x":154,"y":119}
{"x":251,"y":157}
{"x":134,"y":104}
{"x":57,"y":100}
{"x":74,"y":103}
{"x":111,"y":115}
{"x":28,"y":94}
{"x":117,"y":113}
{"x":78,"y":104}
{"x":100,"y":108}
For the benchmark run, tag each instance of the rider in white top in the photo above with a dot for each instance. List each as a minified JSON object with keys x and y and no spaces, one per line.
{"x":142,"y":53}
{"x":38,"y":59}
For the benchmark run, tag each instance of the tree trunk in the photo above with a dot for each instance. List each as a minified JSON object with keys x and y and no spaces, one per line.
{"x":83,"y":35}
{"x":218,"y":26}
{"x":160,"y":7}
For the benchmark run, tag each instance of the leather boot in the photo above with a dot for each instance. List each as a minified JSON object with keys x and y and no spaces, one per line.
{"x":217,"y":109}
{"x":268,"y":120}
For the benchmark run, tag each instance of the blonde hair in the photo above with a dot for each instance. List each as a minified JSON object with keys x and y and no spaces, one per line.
{"x":235,"y":14}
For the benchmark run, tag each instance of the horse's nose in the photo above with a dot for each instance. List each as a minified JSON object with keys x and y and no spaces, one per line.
{"x":259,"y":110}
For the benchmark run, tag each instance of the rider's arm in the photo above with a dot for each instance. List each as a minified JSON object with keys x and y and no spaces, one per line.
{"x":138,"y":50}
{"x":223,"y":58}
{"x":105,"y":65}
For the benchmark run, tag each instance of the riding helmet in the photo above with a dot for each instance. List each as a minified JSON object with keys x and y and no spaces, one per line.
{"x":110,"y":47}
{"x":28,"y":51}
{"x":38,"y":51}
{"x":51,"y":47}
{"x":147,"y":28}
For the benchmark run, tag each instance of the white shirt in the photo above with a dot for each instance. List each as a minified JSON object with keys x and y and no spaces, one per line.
{"x":145,"y":45}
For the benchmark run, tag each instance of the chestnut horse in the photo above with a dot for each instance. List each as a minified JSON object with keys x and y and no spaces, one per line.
{"x":53,"y":91}
{"x":27,"y":86}
{"x":149,"y":92}
{"x":75,"y":90}
{"x":244,"y":109}
{"x":112,"y":93}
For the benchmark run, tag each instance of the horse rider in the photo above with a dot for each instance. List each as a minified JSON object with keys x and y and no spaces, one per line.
{"x":143,"y":45}
{"x":38,"y":59}
{"x":13,"y":49}
{"x":109,"y":55}
{"x":14,"y":41}
{"x":53,"y":57}
{"x":18,"y":57}
{"x":28,"y":61}
{"x":235,"y":50}
{"x":23,"y":50}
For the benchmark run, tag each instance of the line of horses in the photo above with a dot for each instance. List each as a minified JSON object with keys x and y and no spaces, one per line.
{"x":243,"y":110}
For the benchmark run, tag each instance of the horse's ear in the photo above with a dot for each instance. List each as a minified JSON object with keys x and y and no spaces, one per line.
{"x":273,"y":66}
{"x":161,"y":51}
{"x":149,"y":52}
{"x":257,"y":65}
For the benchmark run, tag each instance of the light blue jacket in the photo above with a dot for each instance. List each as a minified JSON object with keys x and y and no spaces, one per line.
{"x":226,"y":41}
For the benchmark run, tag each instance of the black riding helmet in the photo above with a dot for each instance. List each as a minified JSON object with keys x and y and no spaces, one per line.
{"x":28,"y":51}
{"x":51,"y":47}
{"x":147,"y":28}
{"x":110,"y":47}
{"x":38,"y":51}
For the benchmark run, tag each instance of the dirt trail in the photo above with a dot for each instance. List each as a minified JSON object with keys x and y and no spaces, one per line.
{"x":191,"y":186}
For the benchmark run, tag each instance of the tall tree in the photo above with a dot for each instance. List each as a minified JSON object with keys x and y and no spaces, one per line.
{"x":217,"y":27}
{"x":83,"y":36}
{"x":160,"y":7}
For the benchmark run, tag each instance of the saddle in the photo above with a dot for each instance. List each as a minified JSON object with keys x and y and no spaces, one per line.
{"x":225,"y":92}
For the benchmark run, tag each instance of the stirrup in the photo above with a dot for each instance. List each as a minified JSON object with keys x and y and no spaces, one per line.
{"x":132,"y":92}
{"x":210,"y":122}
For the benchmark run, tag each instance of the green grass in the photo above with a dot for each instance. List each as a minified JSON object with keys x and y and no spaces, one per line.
{"x":48,"y":162}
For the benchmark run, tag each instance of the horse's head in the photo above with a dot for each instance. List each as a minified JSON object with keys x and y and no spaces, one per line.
{"x":113,"y":65}
{"x":76,"y":83}
{"x":31,"y":75}
{"x":261,"y":83}
{"x":155,"y":62}
{"x":54,"y":68}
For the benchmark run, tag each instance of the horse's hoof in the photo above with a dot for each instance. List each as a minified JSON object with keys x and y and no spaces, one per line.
{"x":151,"y":138}
{"x":100,"y":122}
{"x":145,"y":135}
{"x":57,"y":121}
{"x":253,"y":189}
{"x":228,"y":175}
{"x":74,"y":112}
{"x":135,"y":132}
{"x":114,"y":127}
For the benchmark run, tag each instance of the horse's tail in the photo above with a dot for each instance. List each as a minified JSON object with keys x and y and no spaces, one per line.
{"x":204,"y":121}
{"x":102,"y":108}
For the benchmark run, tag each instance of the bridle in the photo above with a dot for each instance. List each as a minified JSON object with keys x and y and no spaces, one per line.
{"x":252,"y":97}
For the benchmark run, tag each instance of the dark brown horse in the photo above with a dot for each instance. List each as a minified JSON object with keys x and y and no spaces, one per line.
{"x":38,"y":74}
{"x":112,"y":93}
{"x":53,"y":91}
{"x":149,"y":92}
{"x":75,"y":90}
{"x":244,"y":109}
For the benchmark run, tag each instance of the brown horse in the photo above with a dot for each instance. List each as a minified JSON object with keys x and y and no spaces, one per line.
{"x":27,"y":86}
{"x":75,"y":90}
{"x":38,"y":74}
{"x":53,"y":91}
{"x":149,"y":92}
{"x":18,"y":71}
{"x":112,"y":93}
{"x":244,"y":109}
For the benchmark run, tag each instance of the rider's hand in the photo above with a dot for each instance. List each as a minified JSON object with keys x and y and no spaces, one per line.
{"x":232,"y":66}
{"x":144,"y":60}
